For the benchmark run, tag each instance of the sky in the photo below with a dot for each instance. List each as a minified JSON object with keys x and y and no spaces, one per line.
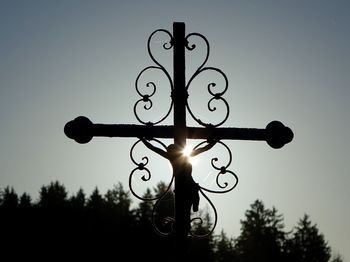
{"x":285,"y":60}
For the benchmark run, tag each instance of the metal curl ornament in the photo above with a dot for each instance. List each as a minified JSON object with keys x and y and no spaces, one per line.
{"x":166,"y":45}
{"x":166,"y":220}
{"x":217,"y":96}
{"x":141,"y":166}
{"x":193,"y":234}
{"x":146,"y":97}
{"x":193,"y":46}
{"x":223,"y":169}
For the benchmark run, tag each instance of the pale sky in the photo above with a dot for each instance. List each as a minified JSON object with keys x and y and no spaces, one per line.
{"x":285,"y":60}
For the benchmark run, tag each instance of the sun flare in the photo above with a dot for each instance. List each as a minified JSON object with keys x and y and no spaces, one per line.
{"x":187,"y":153}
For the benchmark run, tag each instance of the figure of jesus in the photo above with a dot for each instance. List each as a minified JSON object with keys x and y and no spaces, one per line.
{"x":182,"y":166}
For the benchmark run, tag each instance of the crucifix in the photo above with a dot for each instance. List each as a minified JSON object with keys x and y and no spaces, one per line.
{"x":82,"y":130}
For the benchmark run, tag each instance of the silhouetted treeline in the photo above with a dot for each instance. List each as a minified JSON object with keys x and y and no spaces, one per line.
{"x":58,"y":226}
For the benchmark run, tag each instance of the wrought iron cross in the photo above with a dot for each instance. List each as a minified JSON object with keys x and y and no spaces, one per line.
{"x":82,"y":130}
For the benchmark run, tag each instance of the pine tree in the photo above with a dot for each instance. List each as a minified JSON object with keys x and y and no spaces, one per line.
{"x":262,"y":235}
{"x":78,"y":200}
{"x":118,"y":200}
{"x":95,"y":201}
{"x":307,"y":244}
{"x":25,"y":201}
{"x":224,"y":249}
{"x":9,"y":199}
{"x":53,"y":196}
{"x":144,"y":211}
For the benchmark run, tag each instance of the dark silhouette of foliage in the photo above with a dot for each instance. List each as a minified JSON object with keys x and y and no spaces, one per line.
{"x":307,"y":244}
{"x":106,"y":226}
{"x":53,"y":196}
{"x":78,"y":201}
{"x":9,"y":198}
{"x":224,"y":249}
{"x":25,"y":201}
{"x":262,"y":235}
{"x":144,"y":211}
{"x":95,"y":201}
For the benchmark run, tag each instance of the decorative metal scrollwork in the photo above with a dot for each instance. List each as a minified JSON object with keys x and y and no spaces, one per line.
{"x":151,"y":86}
{"x":216,"y":96}
{"x":222,"y":171}
{"x":224,"y":187}
{"x":211,"y":230}
{"x":145,"y":102}
{"x":167,"y":222}
{"x":141,"y":166}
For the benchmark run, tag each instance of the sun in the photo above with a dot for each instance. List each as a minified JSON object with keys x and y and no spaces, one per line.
{"x":187,"y":153}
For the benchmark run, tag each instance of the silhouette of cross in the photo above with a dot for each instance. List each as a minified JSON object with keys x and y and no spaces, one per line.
{"x":82,"y":130}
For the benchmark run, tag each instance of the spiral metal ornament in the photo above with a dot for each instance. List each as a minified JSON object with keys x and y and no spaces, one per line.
{"x":141,"y":166}
{"x":223,"y":186}
{"x":169,"y":221}
{"x":151,"y":86}
{"x":223,"y":170}
{"x":164,"y":226}
{"x":216,"y":96}
{"x":211,"y":230}
{"x":146,"y":103}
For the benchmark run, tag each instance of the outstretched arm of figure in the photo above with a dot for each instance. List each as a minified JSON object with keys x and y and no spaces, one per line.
{"x":154,"y":148}
{"x":197,"y":151}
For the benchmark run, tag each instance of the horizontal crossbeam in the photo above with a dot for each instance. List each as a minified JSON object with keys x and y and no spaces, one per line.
{"x":82,"y":130}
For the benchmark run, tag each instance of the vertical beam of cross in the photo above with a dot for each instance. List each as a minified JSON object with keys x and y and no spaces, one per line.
{"x":182,"y":216}
{"x":180,"y":93}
